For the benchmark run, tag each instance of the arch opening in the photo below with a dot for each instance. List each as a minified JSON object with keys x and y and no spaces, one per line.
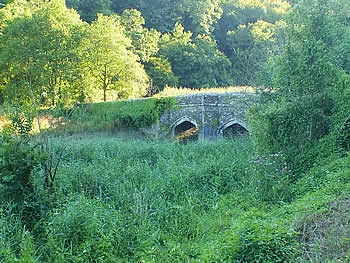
{"x":234,"y":130}
{"x":186,"y":131}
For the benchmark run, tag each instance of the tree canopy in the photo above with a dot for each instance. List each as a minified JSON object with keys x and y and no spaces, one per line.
{"x":133,"y":48}
{"x":310,"y":78}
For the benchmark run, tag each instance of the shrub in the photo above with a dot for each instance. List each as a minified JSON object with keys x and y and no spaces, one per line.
{"x":17,"y":160}
{"x":291,"y":126}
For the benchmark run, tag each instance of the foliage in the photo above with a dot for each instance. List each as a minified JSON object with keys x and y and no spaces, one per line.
{"x":198,"y":16}
{"x":92,"y":198}
{"x":198,"y":64}
{"x":292,"y":127}
{"x":224,"y":43}
{"x":164,"y":201}
{"x":16,"y":243}
{"x":161,"y":75}
{"x":309,"y":67}
{"x":17,"y":162}
{"x":89,"y":9}
{"x":109,"y":62}
{"x":69,"y":60}
{"x":38,"y":53}
{"x":272,"y":177}
{"x":112,"y":116}
{"x":308,"y":82}
{"x":145,"y":43}
{"x":232,"y":24}
{"x":262,"y":241}
{"x":85,"y":230}
{"x":246,"y":35}
{"x":172,"y":91}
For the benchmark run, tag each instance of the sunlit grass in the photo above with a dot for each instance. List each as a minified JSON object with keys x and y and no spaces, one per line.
{"x":178,"y":91}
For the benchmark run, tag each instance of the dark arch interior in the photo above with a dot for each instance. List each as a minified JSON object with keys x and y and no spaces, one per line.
{"x":186,"y":131}
{"x":234,"y":130}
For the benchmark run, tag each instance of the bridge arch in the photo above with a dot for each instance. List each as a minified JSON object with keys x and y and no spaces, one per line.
{"x":207,"y":115}
{"x":232,"y":128}
{"x":182,"y":125}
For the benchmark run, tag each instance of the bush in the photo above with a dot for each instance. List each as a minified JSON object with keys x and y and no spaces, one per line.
{"x":17,"y":160}
{"x":291,"y":126}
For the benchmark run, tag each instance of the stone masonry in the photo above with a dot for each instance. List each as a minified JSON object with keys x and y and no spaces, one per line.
{"x":210,"y":113}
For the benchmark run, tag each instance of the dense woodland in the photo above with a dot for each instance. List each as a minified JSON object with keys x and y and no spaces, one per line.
{"x":64,"y":52}
{"x":137,"y":48}
{"x":79,"y":192}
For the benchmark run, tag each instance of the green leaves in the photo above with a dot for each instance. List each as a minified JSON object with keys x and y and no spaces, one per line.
{"x":38,"y":54}
{"x":308,"y":81}
{"x":17,"y":160}
{"x":88,"y":9}
{"x":198,"y":63}
{"x":108,"y":60}
{"x":308,"y":64}
{"x":49,"y":56}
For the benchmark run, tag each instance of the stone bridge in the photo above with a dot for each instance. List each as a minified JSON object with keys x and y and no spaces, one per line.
{"x":208,"y":115}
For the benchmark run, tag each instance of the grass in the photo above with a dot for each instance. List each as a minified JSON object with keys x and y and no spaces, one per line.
{"x":172,"y":91}
{"x":162,"y":201}
{"x":119,"y":199}
{"x":106,"y":117}
{"x":112,"y":116}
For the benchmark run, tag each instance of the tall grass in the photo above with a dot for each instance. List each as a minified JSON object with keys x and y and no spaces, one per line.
{"x":177,"y":91}
{"x":162,"y":201}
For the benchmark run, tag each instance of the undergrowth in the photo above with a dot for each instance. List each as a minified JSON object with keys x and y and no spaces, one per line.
{"x":111,"y":116}
{"x":162,"y":201}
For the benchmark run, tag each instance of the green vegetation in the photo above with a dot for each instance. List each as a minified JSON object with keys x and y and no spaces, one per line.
{"x":167,"y":92}
{"x":50,"y":55}
{"x":75,"y":194}
{"x":161,"y":201}
{"x":110,"y":117}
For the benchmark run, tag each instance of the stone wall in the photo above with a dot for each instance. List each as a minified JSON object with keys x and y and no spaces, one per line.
{"x":210,"y":113}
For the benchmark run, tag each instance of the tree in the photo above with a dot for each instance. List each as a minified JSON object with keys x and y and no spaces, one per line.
{"x":109,"y":60}
{"x":198,"y":63}
{"x":307,"y":77}
{"x":246,"y":35}
{"x":38,"y":52}
{"x":315,"y":36}
{"x":201,"y":16}
{"x":144,"y":41}
{"x":88,"y":9}
{"x":161,"y":75}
